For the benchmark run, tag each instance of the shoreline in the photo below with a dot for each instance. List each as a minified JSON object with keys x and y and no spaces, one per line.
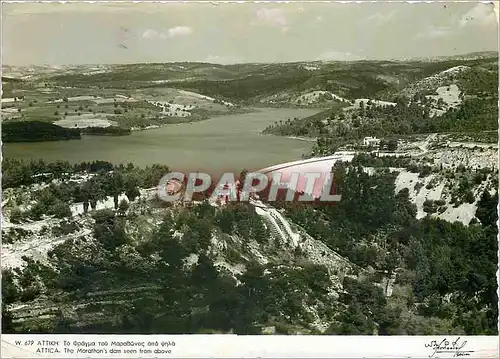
{"x":152,"y":127}
{"x":200,"y":137}
{"x":307,"y":139}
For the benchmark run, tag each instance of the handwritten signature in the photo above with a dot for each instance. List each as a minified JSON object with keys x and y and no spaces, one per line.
{"x":446,"y":347}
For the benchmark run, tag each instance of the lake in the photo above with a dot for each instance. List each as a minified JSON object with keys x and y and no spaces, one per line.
{"x":222,"y":143}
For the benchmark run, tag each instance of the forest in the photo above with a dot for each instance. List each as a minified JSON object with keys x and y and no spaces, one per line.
{"x":413,"y":112}
{"x":403,"y":119}
{"x":35,"y":131}
{"x":449,"y":267}
{"x":444,"y":272}
{"x":106,"y":131}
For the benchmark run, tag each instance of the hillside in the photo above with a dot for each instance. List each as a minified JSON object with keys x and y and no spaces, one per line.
{"x":410,"y":249}
{"x":460,"y":98}
{"x":245,"y":268}
{"x":142,"y":95}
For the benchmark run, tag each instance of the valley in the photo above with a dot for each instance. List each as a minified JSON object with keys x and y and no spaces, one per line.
{"x":411,"y":248}
{"x":220,"y":143}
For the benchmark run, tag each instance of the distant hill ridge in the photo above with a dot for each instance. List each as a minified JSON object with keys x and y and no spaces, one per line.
{"x":466,"y":56}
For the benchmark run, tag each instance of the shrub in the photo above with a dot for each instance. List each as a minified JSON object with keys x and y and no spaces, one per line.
{"x":425,"y":171}
{"x":469,"y":197}
{"x":478,"y":178}
{"x":123,"y":206}
{"x":16,"y":215}
{"x":430,"y":206}
{"x":233,"y":256}
{"x":65,"y":228}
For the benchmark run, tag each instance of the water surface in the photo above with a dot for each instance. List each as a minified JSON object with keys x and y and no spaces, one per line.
{"x":230,"y":142}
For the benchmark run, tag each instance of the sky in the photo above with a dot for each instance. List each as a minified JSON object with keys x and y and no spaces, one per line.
{"x":104,"y":33}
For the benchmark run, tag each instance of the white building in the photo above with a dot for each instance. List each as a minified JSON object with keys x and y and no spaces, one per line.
{"x":371,"y":141}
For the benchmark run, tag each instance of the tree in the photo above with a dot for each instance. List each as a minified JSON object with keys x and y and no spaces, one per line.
{"x":10,"y":293}
{"x":204,"y":274}
{"x":87,"y":194}
{"x":259,"y":230}
{"x":469,"y":197}
{"x":153,"y":175}
{"x":7,"y":321}
{"x":352,"y":322}
{"x":132,"y":192}
{"x":241,"y":181}
{"x":108,"y":230}
{"x":61,"y":210}
{"x":169,"y":248}
{"x":392,"y":145}
{"x":487,"y":209}
{"x":123,"y":207}
{"x":85,"y":206}
{"x":389,"y":321}
{"x":16,"y":215}
{"x":339,"y":175}
{"x":63,"y":324}
{"x":115,"y":185}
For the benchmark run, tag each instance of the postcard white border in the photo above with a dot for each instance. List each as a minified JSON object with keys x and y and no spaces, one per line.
{"x":258,"y":346}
